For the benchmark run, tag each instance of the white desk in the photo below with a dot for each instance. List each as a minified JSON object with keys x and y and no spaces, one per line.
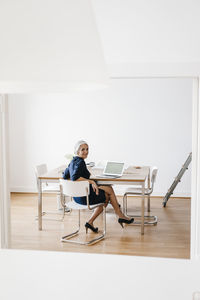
{"x":132,"y":176}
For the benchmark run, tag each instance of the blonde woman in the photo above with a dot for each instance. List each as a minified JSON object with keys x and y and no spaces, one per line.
{"x":77,"y":171}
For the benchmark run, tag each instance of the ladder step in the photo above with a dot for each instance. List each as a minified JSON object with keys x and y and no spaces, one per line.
{"x":177,"y":178}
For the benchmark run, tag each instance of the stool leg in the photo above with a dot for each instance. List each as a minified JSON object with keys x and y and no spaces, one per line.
{"x":148,"y":204}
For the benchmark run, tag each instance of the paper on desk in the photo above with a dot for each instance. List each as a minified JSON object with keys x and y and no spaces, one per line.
{"x":132,"y":170}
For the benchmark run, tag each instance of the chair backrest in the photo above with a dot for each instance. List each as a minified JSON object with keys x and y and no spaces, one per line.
{"x":74,"y":188}
{"x":40,"y":170}
{"x":154,"y":172}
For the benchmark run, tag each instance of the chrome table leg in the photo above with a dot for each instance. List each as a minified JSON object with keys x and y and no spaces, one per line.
{"x":40,"y":205}
{"x":142,"y":208}
{"x":148,"y":199}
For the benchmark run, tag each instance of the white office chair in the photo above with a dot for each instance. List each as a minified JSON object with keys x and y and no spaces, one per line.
{"x":50,"y":188}
{"x":80,"y":189}
{"x":148,"y":192}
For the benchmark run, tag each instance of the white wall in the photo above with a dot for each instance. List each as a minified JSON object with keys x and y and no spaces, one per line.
{"x":48,"y":275}
{"x":141,"y":122}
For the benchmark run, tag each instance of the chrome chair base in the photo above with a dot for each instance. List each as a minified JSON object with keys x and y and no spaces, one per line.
{"x":66,"y":238}
{"x":153,"y":222}
{"x":62,"y":211}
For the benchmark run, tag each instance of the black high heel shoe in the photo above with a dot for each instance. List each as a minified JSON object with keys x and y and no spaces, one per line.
{"x":94,"y":229}
{"x":121,"y":221}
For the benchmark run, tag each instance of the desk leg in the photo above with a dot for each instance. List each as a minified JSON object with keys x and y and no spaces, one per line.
{"x":142,"y":208}
{"x":148,"y":203}
{"x":39,"y":204}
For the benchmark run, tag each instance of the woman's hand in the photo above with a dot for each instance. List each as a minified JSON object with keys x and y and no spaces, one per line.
{"x":95,"y":187}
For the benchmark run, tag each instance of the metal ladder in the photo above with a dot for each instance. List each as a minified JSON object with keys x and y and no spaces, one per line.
{"x":177,"y":179}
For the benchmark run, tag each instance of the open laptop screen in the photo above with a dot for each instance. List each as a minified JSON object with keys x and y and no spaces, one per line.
{"x":114,"y":168}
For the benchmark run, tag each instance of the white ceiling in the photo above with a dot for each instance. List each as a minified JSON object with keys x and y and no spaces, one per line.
{"x":49,"y":46}
{"x":149,"y":30}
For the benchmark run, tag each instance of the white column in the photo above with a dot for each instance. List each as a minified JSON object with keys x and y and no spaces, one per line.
{"x":195,"y":206}
{"x":4,"y":189}
{"x":198,"y":178}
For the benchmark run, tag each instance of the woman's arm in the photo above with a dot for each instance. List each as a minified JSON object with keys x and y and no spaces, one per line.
{"x":92,"y":182}
{"x":85,"y":179}
{"x":66,"y":174}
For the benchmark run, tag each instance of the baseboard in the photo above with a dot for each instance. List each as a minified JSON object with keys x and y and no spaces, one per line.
{"x":22,"y":189}
{"x":119,"y":191}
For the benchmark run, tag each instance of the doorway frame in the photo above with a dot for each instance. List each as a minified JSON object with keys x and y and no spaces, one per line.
{"x":5,"y":226}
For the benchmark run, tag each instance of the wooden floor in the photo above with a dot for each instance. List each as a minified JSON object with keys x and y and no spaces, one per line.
{"x":169,"y":238}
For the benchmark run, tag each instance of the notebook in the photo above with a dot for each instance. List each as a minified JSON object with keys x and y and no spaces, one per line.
{"x":112,"y":169}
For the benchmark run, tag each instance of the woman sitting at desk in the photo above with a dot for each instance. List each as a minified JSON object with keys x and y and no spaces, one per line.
{"x":77,"y":171}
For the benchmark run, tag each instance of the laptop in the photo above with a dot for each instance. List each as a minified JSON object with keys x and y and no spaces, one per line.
{"x":112,"y":169}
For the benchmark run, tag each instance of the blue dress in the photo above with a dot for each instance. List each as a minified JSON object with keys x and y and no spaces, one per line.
{"x":76,"y":169}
